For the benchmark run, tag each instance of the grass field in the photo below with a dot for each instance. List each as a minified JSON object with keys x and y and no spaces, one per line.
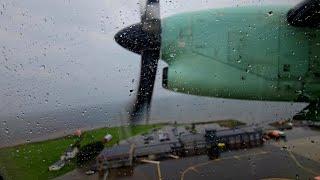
{"x":31,"y":161}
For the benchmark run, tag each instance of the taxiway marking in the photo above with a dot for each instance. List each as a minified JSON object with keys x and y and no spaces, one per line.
{"x":300,"y":165}
{"x":216,"y":160}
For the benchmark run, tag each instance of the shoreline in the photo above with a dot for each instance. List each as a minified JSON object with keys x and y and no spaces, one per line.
{"x":52,"y":136}
{"x":49,"y":125}
{"x":65,"y":133}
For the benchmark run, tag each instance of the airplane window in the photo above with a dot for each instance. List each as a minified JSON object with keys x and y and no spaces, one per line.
{"x":159,"y":89}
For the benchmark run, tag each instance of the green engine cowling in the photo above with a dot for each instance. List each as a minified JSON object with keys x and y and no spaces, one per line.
{"x":226,"y":82}
{"x":247,"y":53}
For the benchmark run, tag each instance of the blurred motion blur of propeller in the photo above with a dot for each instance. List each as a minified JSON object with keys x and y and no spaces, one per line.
{"x":144,"y":38}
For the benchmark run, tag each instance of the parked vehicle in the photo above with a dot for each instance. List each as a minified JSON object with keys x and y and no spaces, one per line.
{"x":90,"y":172}
{"x":274,"y":134}
{"x":285,"y":126}
{"x":148,"y":138}
{"x":164,"y":137}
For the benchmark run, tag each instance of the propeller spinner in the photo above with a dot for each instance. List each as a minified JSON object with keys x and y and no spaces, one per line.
{"x":144,"y":38}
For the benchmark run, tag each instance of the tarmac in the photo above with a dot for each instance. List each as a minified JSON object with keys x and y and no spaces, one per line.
{"x":260,"y":163}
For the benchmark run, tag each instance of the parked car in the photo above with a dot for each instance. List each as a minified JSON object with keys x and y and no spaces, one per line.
{"x":164,"y":137}
{"x":148,"y":138}
{"x":274,"y":134}
{"x":89,"y":172}
{"x":285,"y":126}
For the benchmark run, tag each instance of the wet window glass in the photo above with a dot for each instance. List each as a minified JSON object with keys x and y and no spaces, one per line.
{"x":159,"y":89}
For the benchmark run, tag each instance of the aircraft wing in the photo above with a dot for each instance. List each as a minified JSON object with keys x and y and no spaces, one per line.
{"x":305,"y":14}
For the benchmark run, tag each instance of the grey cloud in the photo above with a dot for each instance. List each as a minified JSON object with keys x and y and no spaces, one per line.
{"x":73,"y":39}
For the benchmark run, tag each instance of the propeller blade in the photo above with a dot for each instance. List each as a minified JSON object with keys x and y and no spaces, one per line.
{"x":142,"y":5}
{"x":149,"y":10}
{"x":150,"y":17}
{"x":144,"y":39}
{"x":149,"y":63}
{"x":150,"y":54}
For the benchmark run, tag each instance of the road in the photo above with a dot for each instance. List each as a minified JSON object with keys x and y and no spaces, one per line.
{"x":260,"y":163}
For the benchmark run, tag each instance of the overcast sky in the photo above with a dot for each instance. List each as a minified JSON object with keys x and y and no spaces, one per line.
{"x":55,"y":53}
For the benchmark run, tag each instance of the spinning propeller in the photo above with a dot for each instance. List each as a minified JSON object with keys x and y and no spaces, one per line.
{"x":144,"y":38}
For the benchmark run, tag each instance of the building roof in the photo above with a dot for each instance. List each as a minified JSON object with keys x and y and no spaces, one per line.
{"x":116,"y":152}
{"x":153,"y":149}
{"x":234,"y":132}
{"x":192,"y":138}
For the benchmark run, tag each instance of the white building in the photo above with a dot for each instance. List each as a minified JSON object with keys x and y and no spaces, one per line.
{"x":107,"y":138}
